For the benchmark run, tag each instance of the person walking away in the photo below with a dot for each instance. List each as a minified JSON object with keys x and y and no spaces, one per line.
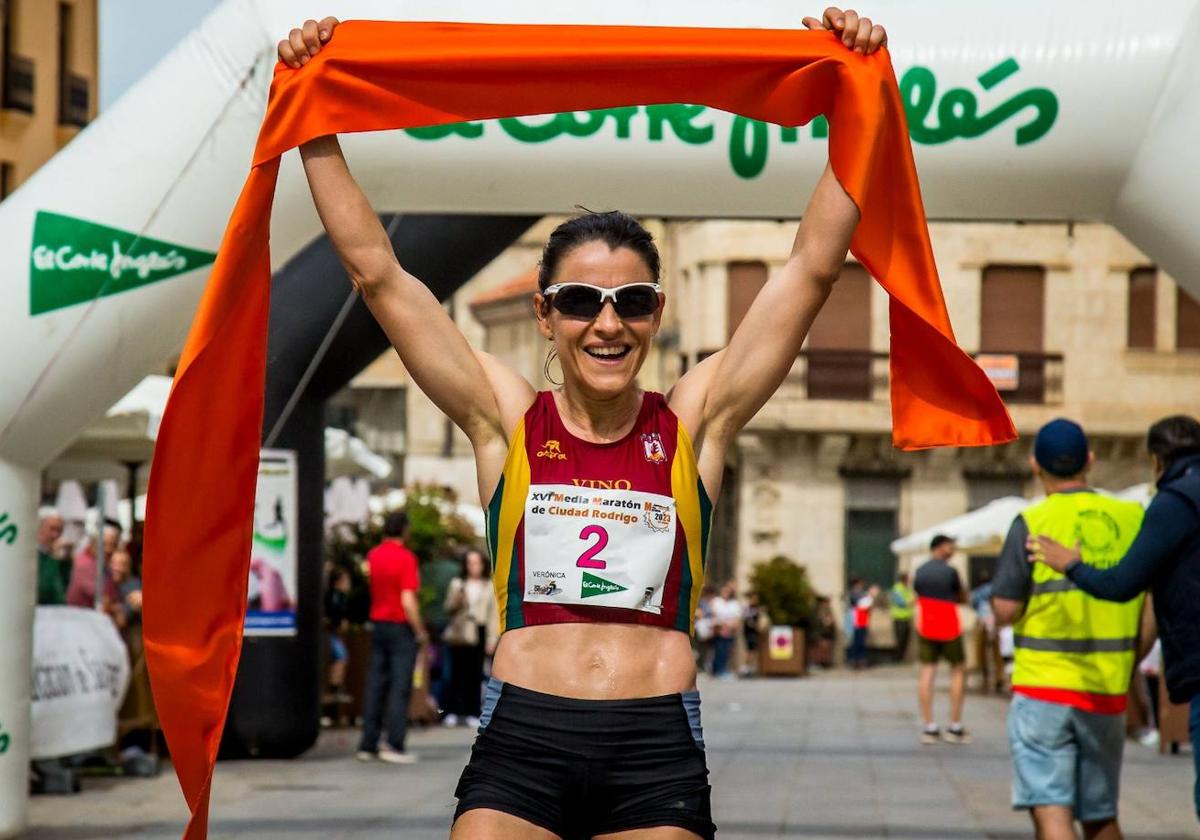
{"x":826,"y":633}
{"x":752,"y":618}
{"x":856,"y":641}
{"x":939,"y":636}
{"x":1164,"y":556}
{"x":396,"y":636}
{"x":901,"y":599}
{"x":337,"y":609}
{"x":702,"y":641}
{"x":861,"y":607}
{"x":50,"y":588}
{"x":470,"y":638}
{"x":436,"y":576}
{"x":727,"y":620}
{"x":985,"y":635}
{"x":1073,"y":653}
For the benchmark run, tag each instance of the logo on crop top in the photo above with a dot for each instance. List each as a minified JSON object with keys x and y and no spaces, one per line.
{"x":552,"y":449}
{"x":601,"y":484}
{"x":550,"y":588}
{"x":653,"y":447}
{"x":594,"y":585}
{"x":657,"y":517}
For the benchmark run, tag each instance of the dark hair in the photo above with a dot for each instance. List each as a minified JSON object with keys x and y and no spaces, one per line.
{"x":614,"y":228}
{"x":395,"y":524}
{"x":939,"y":539}
{"x":482,"y":556}
{"x":1173,"y":438}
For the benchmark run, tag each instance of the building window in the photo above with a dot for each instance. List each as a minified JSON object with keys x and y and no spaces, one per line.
{"x":17,"y":92}
{"x":1142,"y":308}
{"x":1187,"y":321}
{"x":8,"y":181}
{"x":74,"y":96}
{"x":1011,"y":330}
{"x":871,"y":525}
{"x":1012,"y":309}
{"x":838,"y":350}
{"x":746,"y":280}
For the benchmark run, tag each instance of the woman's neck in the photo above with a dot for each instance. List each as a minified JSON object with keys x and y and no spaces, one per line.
{"x":598,"y":420}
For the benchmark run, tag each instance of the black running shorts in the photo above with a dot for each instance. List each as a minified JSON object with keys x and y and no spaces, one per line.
{"x":929,"y":651}
{"x":580,"y":768}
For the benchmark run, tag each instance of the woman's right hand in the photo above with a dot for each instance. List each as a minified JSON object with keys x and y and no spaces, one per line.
{"x":302,"y":44}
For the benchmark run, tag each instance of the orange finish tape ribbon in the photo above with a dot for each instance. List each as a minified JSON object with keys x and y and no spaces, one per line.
{"x":375,"y":76}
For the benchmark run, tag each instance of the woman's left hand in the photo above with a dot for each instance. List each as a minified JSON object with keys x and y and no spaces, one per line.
{"x":1042,"y":549}
{"x":857,"y":33}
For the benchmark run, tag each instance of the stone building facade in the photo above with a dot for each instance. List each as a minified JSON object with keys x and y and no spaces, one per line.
{"x":1070,"y":320}
{"x":48,"y":81}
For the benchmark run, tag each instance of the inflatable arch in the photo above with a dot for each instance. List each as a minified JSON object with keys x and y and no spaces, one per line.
{"x":1017,"y":111}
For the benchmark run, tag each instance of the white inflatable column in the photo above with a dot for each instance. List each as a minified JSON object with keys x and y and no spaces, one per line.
{"x":18,"y":564}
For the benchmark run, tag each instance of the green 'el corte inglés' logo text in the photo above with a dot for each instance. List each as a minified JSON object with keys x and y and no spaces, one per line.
{"x":594,"y":585}
{"x":74,"y":260}
{"x":957,"y":115}
{"x":8,"y":530}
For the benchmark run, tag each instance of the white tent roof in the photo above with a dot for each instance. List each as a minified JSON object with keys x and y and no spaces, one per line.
{"x":982,"y":531}
{"x":979,"y":531}
{"x":346,"y":455}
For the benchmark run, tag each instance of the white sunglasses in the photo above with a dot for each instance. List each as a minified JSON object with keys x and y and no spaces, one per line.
{"x":583,"y":300}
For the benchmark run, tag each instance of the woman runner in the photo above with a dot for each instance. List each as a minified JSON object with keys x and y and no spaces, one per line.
{"x":598,"y":495}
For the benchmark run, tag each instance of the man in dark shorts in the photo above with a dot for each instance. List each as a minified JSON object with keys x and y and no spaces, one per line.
{"x":939,"y":636}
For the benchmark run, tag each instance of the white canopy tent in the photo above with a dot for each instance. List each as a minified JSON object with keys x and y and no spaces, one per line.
{"x":346,"y":455}
{"x":982,"y":531}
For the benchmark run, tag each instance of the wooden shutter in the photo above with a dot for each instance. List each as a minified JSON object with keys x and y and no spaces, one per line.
{"x":1141,"y":320}
{"x":1012,"y":311}
{"x":746,"y":279}
{"x":844,"y":322}
{"x":1187,"y":321}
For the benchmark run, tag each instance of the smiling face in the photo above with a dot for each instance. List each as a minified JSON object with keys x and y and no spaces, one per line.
{"x":600,"y":357}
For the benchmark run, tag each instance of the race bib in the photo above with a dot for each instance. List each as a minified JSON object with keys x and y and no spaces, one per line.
{"x":604,"y":548}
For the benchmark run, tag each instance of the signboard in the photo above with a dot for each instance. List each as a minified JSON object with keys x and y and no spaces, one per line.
{"x":779,"y":642}
{"x":271,"y":597}
{"x":80,"y":673}
{"x":1004,"y":369}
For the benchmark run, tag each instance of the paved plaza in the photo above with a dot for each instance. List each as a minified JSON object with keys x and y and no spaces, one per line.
{"x":832,"y":756}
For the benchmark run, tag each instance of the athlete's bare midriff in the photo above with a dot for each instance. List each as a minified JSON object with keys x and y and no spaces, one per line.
{"x":597,"y":661}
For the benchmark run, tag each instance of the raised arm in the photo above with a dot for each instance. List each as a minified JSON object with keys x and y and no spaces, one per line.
{"x":434,"y":351}
{"x":722,"y":394}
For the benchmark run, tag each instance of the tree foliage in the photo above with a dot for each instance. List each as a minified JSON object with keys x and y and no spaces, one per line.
{"x":784,"y":591}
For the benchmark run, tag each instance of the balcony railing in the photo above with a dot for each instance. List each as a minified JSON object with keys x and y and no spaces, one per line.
{"x":862,"y":375}
{"x":74,"y":97}
{"x":1024,"y":378}
{"x":17,"y":91}
{"x":842,"y":374}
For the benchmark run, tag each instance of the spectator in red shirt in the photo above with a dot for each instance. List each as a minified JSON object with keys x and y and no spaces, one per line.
{"x":396,"y":636}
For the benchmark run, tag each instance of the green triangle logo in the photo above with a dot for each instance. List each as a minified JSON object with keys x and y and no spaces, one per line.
{"x":593,"y":586}
{"x":73,"y":261}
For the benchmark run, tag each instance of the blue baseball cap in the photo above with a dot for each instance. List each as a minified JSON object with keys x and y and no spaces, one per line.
{"x":1061,"y":448}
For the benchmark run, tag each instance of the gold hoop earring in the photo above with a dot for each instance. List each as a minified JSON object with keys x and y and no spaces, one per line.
{"x":546,"y":367}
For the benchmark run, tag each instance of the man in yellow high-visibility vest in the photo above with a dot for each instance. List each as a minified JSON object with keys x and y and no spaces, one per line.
{"x":902,"y":598}
{"x":1073,"y":654}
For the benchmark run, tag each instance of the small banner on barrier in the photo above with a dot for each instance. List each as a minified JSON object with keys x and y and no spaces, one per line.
{"x":80,"y":673}
{"x":271,"y":599}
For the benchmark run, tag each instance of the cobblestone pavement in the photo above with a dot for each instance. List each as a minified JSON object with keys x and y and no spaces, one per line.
{"x":833,"y":756}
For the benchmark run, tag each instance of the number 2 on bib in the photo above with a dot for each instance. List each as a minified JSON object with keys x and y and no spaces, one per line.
{"x":587,"y":559}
